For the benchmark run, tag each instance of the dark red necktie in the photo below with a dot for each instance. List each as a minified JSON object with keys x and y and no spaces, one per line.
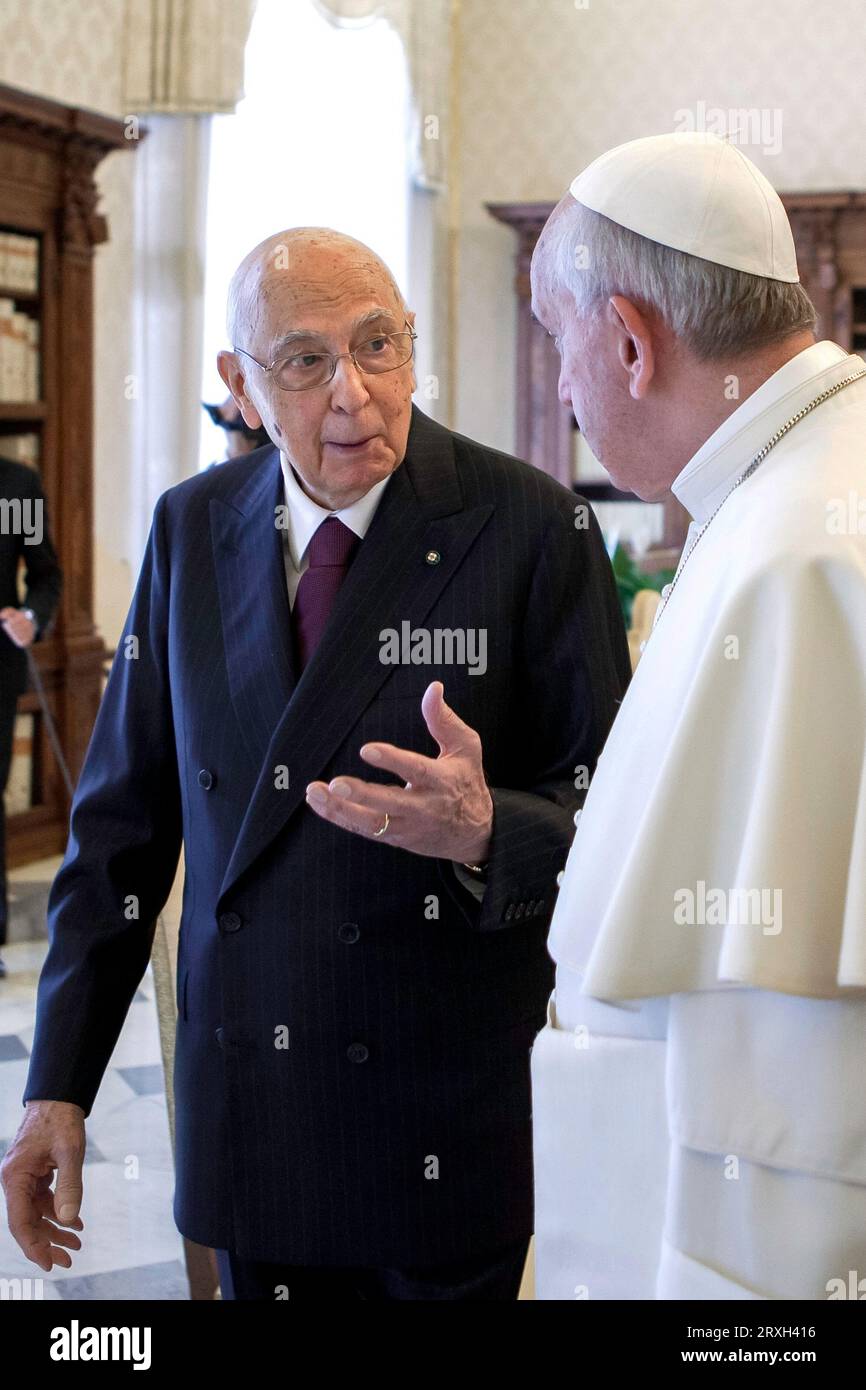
{"x":331,"y":551}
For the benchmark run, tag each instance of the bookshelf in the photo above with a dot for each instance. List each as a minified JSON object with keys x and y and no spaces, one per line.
{"x":830,"y":235}
{"x":49,"y":228}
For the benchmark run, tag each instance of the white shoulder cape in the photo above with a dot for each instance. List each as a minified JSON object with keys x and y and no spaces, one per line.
{"x":723,"y":839}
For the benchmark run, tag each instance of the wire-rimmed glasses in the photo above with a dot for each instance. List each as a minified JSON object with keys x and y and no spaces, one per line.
{"x":300,"y":371}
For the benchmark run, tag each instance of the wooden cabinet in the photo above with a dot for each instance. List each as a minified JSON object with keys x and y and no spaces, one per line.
{"x":48,"y":155}
{"x":830,"y":236}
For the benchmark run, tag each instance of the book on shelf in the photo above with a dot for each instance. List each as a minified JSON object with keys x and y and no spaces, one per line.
{"x":19,"y":263}
{"x":19,"y":354}
{"x":21,"y":448}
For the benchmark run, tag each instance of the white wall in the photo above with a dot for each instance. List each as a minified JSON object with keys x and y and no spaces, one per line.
{"x":545,"y":86}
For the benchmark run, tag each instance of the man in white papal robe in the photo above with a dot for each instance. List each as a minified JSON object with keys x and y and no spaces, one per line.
{"x":699,"y":1091}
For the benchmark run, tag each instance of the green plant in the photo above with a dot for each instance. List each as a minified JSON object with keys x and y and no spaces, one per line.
{"x":629,"y":579}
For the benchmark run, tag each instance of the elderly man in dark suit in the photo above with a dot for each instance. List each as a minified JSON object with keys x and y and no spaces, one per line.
{"x":23,"y":535}
{"x":370,"y":871}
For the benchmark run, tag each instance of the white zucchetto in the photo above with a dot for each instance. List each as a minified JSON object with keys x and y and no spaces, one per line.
{"x":696,"y":193}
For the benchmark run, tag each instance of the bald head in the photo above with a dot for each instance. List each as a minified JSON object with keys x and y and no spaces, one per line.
{"x":296,"y":267}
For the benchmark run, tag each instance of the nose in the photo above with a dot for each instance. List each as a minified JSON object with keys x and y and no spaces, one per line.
{"x":348,"y":387}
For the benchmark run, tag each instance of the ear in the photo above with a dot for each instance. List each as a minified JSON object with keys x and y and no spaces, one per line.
{"x":634,"y":344}
{"x":234,"y":377}
{"x":409,"y":315}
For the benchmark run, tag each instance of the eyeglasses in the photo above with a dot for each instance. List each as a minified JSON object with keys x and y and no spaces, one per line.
{"x":303,"y":370}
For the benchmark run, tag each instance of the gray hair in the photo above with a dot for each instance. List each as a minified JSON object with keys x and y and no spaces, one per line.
{"x":717,"y":312}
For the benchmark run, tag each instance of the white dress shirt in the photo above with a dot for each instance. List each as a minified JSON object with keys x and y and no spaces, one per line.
{"x":304,"y":517}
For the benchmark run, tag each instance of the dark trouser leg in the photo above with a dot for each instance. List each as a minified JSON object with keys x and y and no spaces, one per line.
{"x":270,"y":1283}
{"x":486,"y":1278}
{"x":7,"y":726}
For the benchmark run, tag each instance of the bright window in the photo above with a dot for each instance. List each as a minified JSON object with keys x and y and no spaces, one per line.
{"x":319,"y":139}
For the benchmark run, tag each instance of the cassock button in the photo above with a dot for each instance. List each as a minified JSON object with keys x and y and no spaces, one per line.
{"x":432,"y":557}
{"x":357,"y":1052}
{"x":509,"y":912}
{"x":205,"y":779}
{"x":518,"y":911}
{"x":229,"y":922}
{"x":348,"y":932}
{"x":530,"y":907}
{"x":539,"y":908}
{"x":219,"y":1036}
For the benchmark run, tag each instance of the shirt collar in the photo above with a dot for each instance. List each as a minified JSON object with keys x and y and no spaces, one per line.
{"x":306,"y":516}
{"x":712,"y":471}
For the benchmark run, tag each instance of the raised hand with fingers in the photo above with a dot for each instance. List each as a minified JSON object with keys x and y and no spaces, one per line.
{"x":444,"y":810}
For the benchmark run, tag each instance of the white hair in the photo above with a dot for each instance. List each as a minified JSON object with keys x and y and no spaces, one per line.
{"x":717,"y":312}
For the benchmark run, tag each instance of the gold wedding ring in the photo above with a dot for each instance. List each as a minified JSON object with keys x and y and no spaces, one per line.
{"x":377,"y":833}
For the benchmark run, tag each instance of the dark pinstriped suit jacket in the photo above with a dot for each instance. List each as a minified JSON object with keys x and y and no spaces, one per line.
{"x":394,"y":1126}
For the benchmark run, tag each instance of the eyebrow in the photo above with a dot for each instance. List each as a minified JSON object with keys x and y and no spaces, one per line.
{"x":298,"y":335}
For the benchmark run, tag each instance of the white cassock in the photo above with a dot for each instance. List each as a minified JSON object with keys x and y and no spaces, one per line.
{"x":699,"y":1091}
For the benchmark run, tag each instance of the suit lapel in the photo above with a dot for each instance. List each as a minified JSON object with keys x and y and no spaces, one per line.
{"x":254,"y":603}
{"x":391,"y":580}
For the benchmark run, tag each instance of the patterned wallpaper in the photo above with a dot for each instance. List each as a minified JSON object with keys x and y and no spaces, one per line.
{"x":65,"y":49}
{"x":70,"y":50}
{"x":546,"y":85}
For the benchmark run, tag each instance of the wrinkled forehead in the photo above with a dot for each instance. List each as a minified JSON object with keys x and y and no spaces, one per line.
{"x":326,"y":300}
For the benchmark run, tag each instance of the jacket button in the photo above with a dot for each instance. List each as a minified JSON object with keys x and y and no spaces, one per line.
{"x":518,"y":911}
{"x":509,"y":912}
{"x":229,"y":922}
{"x":205,"y":779}
{"x":219,"y":1036}
{"x":530,"y":907}
{"x":357,"y":1052}
{"x":348,"y":932}
{"x":539,"y":908}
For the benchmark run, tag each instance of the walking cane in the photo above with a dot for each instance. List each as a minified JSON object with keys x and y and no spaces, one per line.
{"x":49,"y":722}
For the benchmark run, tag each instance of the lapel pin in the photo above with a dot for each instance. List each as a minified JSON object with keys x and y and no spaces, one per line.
{"x":432,"y":557}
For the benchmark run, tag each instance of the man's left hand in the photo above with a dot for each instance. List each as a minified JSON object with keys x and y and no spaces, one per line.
{"x":445,"y":810}
{"x":17,"y":626}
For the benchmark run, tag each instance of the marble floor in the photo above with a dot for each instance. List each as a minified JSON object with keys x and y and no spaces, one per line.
{"x":131,"y":1248}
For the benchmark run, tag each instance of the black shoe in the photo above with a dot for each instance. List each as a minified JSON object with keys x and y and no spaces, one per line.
{"x":2,"y":968}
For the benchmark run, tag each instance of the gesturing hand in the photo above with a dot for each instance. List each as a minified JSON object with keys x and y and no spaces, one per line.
{"x":445,"y":809}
